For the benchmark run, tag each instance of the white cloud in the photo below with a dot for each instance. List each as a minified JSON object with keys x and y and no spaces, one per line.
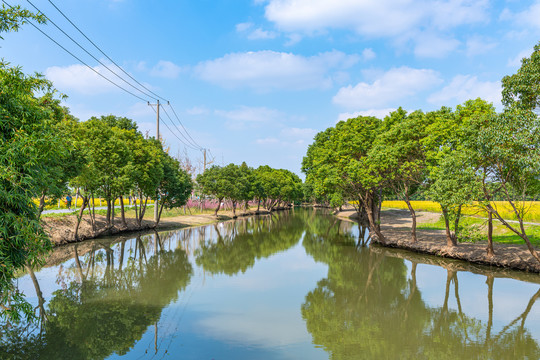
{"x":395,"y":84}
{"x":373,"y":18}
{"x":432,"y":46}
{"x":298,"y":133}
{"x":197,"y":110}
{"x":243,"y":26}
{"x":526,"y":18}
{"x":80,"y":78}
{"x":466,"y":87}
{"x":378,"y":113}
{"x":254,"y":116}
{"x":516,"y":61}
{"x":267,"y":70}
{"x":477,"y":45}
{"x":166,"y":69}
{"x":255,"y":34}
{"x":368,"y":54}
{"x":260,"y":34}
{"x":293,"y":39}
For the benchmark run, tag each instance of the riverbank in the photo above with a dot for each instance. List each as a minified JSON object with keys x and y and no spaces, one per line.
{"x":61,"y":230}
{"x":396,"y":227}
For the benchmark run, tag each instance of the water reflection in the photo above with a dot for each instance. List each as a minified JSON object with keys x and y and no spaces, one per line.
{"x":127,"y":296}
{"x":240,"y":243}
{"x":105,"y":303}
{"x":369,"y":306}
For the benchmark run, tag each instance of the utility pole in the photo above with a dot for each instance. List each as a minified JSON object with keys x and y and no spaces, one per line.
{"x":204,"y":169}
{"x":156,"y":204}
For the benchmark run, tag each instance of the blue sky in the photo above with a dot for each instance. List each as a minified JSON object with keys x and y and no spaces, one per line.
{"x":255,"y":80}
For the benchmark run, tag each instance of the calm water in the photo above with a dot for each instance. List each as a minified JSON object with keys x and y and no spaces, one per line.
{"x":293,"y":285}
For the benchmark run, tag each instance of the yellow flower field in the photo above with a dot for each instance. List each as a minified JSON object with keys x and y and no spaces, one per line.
{"x":532,"y":208}
{"x":61,"y":204}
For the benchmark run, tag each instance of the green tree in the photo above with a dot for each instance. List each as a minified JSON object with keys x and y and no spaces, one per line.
{"x":176,"y":185}
{"x":13,"y":17}
{"x":26,"y":141}
{"x":399,"y":156}
{"x":336,"y":165}
{"x":508,"y":142}
{"x":523,"y":88}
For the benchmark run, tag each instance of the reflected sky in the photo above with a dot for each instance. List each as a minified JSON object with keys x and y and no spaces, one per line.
{"x":288,"y":286}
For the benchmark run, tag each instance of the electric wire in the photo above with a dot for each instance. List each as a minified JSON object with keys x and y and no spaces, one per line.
{"x":70,"y":53}
{"x":104,"y":54}
{"x":172,"y":132}
{"x":191,"y":143}
{"x":174,"y":112}
{"x":87,"y":52}
{"x":194,"y":146}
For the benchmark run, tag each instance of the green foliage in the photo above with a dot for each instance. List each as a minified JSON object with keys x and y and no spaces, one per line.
{"x":335,"y":164}
{"x":26,"y":142}
{"x":12,"y":18}
{"x":523,"y":88}
{"x":176,"y":185}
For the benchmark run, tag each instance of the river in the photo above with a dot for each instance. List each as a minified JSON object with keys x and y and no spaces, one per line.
{"x":291,"y":285}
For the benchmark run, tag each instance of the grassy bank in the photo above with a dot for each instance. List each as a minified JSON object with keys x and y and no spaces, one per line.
{"x":474,"y":223}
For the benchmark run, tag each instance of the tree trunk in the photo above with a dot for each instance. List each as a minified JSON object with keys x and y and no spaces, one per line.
{"x":456,"y":224}
{"x":79,"y":217}
{"x":112,"y":210}
{"x":413,"y":217}
{"x":108,"y":212}
{"x":489,"y":249}
{"x":368,"y":204}
{"x":122,"y":212}
{"x":450,"y":240}
{"x":258,"y":204}
{"x":218,"y":206}
{"x":234,"y":209}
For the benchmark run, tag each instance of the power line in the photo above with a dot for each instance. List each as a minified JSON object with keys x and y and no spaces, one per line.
{"x":86,"y":51}
{"x":70,"y":53}
{"x":104,"y":54}
{"x":194,"y":145}
{"x":183,"y":126}
{"x":172,"y":132}
{"x":189,"y":141}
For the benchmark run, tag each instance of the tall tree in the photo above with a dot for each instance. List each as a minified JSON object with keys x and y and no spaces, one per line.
{"x":522,"y":89}
{"x":399,"y":155}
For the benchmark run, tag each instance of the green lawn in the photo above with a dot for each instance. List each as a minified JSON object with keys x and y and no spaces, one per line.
{"x":501,"y":234}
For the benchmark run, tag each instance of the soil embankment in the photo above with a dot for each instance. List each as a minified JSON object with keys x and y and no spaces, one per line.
{"x":61,"y":230}
{"x":396,"y":227}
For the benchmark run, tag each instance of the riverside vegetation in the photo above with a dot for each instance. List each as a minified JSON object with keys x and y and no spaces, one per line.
{"x":454,"y":157}
{"x":45,"y":152}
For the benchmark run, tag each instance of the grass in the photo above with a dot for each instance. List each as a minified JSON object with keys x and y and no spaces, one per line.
{"x":148,"y":215}
{"x":501,"y":234}
{"x":532,"y":207}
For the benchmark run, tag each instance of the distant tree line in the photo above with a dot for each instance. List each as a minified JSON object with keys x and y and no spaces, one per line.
{"x":452,"y":156}
{"x":240,"y":184}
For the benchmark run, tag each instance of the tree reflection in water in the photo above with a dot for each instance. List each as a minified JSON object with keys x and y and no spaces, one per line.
{"x":240,"y":243}
{"x":102,"y":308}
{"x":368,"y":307}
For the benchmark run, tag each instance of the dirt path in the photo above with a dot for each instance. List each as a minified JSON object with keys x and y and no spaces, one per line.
{"x":396,"y":227}
{"x":61,"y":230}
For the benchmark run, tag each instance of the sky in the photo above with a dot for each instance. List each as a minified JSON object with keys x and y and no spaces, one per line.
{"x":255,"y":80}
